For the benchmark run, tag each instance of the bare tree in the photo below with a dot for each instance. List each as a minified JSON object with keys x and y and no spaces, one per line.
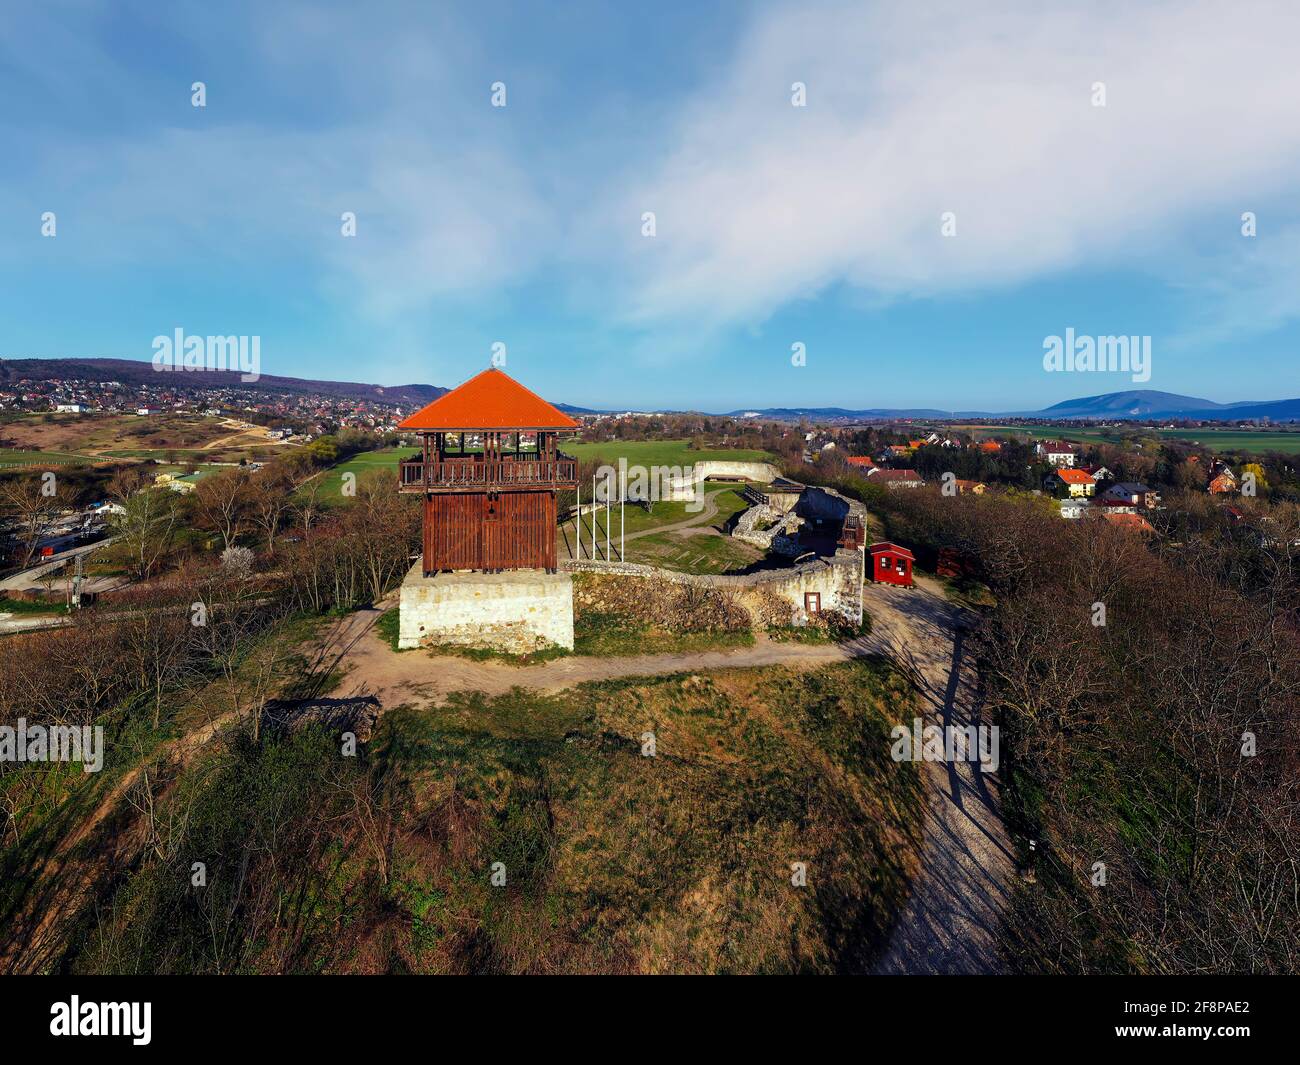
{"x":223,"y":503}
{"x":32,"y":503}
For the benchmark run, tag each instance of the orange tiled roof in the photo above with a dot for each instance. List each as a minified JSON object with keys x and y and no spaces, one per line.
{"x":489,"y":400}
{"x":1130,"y":521}
{"x":1070,"y":476}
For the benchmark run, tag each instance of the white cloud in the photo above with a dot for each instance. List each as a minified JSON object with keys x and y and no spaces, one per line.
{"x":912,"y":113}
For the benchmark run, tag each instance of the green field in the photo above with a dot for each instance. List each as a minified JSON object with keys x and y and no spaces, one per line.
{"x":1215,"y":439}
{"x":702,"y":553}
{"x":385,"y":459}
{"x":10,"y":455}
{"x":658,"y":452}
{"x":725,"y":496}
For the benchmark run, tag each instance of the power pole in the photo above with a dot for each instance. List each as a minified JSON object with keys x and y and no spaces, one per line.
{"x":77,"y":578}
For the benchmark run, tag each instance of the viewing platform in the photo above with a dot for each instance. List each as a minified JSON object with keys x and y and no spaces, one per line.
{"x":504,"y":474}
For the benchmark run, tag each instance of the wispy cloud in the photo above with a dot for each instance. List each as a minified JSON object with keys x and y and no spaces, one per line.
{"x":914,"y":110}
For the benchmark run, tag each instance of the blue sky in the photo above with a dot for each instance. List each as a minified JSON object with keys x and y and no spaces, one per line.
{"x":775,"y":224}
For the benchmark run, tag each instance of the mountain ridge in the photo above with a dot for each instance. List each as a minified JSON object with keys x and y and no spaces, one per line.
{"x":1134,"y":404}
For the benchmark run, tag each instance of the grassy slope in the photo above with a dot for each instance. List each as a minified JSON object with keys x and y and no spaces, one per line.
{"x":613,"y":861}
{"x":8,"y":455}
{"x":331,"y":482}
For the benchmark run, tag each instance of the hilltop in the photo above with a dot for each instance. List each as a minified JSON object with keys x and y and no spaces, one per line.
{"x":136,"y":373}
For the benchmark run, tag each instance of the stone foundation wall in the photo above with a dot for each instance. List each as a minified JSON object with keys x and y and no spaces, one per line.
{"x":772,"y":597}
{"x":685,"y":487}
{"x":517,"y":612}
{"x":779,"y":522}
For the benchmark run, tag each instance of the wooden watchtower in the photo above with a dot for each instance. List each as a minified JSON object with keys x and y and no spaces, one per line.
{"x":489,"y":472}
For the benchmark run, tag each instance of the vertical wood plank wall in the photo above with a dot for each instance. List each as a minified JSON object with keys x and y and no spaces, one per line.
{"x":483,"y":530}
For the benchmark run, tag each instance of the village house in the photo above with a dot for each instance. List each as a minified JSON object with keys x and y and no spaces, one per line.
{"x":1135,"y":522}
{"x":1099,"y":473}
{"x":1222,"y":480}
{"x":860,"y":461}
{"x":1106,"y":505}
{"x":182,"y":484}
{"x":1133,"y":493}
{"x":1055,"y":453}
{"x":1072,"y":482}
{"x":977,"y":488}
{"x":896,"y":478}
{"x":1073,"y":508}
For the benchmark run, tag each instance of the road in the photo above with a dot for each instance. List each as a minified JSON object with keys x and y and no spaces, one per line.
{"x":30,"y":577}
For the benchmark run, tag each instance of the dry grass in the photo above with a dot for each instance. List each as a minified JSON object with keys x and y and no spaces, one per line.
{"x":676,"y":863}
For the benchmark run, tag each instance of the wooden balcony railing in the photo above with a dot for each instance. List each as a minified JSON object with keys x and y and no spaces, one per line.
{"x":417,"y":476}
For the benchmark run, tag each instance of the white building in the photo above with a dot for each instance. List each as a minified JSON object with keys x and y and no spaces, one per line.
{"x":1056,"y":454}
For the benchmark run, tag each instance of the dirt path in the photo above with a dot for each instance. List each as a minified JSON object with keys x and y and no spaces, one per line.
{"x":952,"y":920}
{"x":374,"y":668}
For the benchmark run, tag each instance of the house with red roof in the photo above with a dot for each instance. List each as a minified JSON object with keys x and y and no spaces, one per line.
{"x":1056,"y":453}
{"x":1071,"y":482}
{"x":896,"y":478}
{"x":1223,"y":482}
{"x":1134,"y":522}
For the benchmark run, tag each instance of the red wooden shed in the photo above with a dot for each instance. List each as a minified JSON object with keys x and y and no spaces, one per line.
{"x":891,"y":564}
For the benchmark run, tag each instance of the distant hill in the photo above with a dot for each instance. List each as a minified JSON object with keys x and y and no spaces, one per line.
{"x":1111,"y":406}
{"x":1282,"y":410}
{"x":1132,"y":404}
{"x":133,"y":372}
{"x":1137,"y":403}
{"x":1150,"y":404}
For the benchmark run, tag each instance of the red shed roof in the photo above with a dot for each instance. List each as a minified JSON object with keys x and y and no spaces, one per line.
{"x":489,"y":400}
{"x":886,"y":547}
